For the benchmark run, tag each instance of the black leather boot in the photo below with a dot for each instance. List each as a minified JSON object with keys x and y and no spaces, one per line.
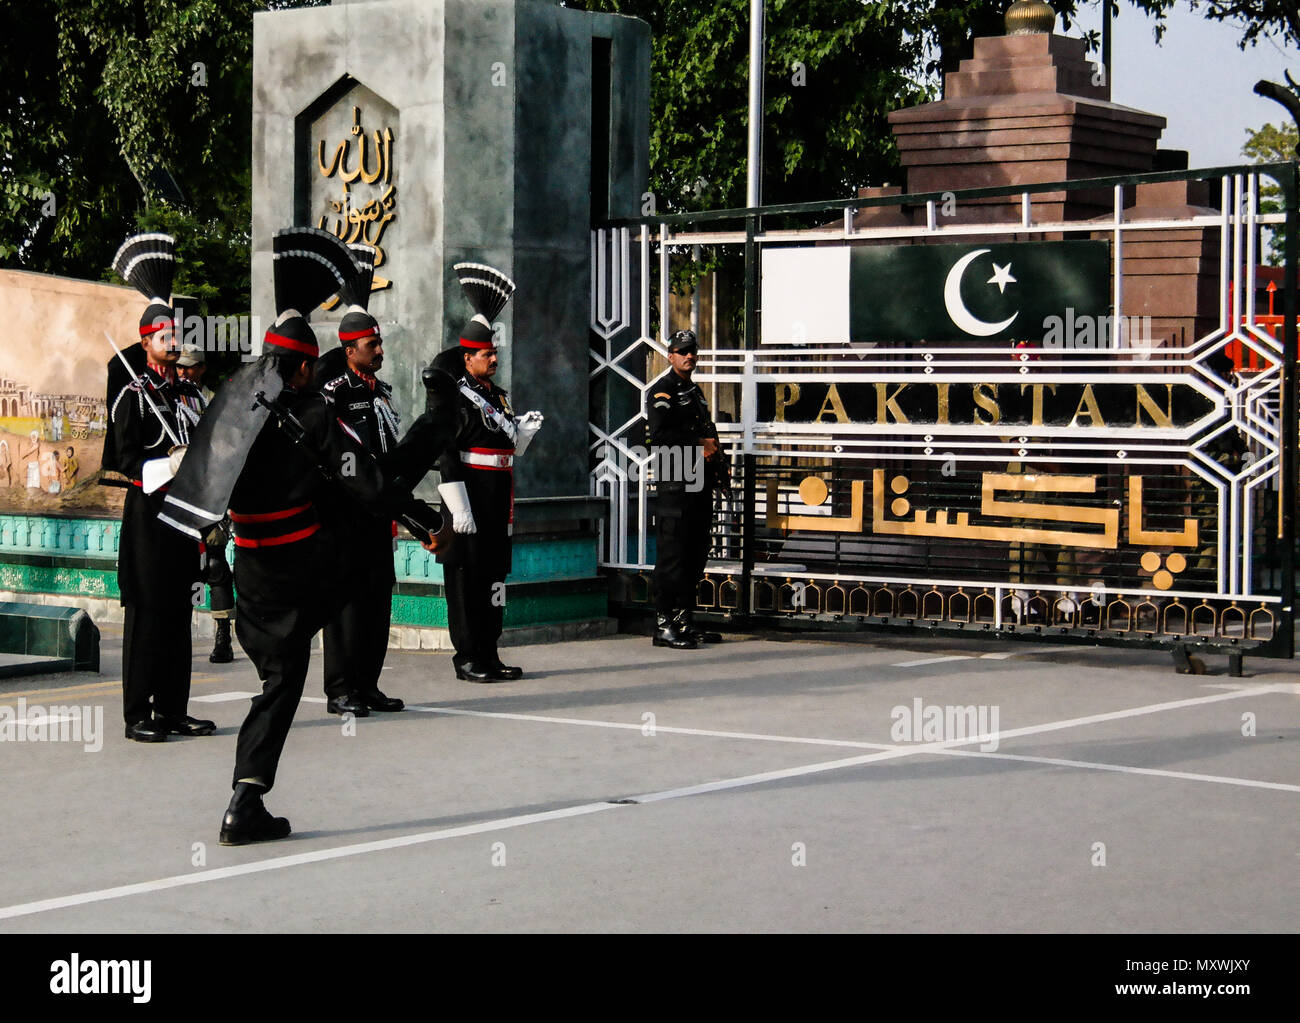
{"x":668,"y":634}
{"x":473,"y":670}
{"x":222,"y":652}
{"x":502,"y":672}
{"x":686,"y":626}
{"x":247,"y":820}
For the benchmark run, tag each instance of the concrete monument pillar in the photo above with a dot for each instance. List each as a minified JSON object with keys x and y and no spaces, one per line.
{"x":446,"y":131}
{"x":442,"y":131}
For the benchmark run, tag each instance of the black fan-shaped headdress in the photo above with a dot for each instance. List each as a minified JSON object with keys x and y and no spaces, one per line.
{"x":148,"y":263}
{"x":309,"y":265}
{"x":488,"y":291}
{"x":355,"y":294}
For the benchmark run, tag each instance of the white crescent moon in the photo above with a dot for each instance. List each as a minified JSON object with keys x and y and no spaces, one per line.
{"x":957,"y":310}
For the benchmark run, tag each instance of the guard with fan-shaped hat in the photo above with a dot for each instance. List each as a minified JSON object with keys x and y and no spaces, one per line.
{"x":152,"y":413}
{"x":477,"y":472}
{"x":356,"y":638}
{"x":268,"y":448}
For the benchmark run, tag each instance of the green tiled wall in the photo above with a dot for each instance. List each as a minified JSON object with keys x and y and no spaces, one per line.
{"x":78,"y":556}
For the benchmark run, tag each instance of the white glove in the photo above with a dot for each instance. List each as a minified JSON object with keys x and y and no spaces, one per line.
{"x":529,"y":424}
{"x":154,"y":473}
{"x":456,"y":500}
{"x":174,"y":459}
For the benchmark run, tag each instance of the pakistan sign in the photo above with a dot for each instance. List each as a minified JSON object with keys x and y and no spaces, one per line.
{"x":1019,"y":291}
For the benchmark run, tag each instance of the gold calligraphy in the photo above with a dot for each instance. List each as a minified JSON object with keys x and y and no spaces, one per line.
{"x":941,"y":523}
{"x":352,"y":220}
{"x":851,"y":523}
{"x":1185,"y":537}
{"x":958,"y":525}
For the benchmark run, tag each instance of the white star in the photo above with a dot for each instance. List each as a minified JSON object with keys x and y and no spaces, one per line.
{"x":1001,"y":277}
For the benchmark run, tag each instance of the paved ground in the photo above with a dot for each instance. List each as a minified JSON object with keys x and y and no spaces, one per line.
{"x":761,"y":785}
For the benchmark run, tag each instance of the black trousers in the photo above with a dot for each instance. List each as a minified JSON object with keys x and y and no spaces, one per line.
{"x":156,"y":661}
{"x":282,"y":605}
{"x":220,"y":580}
{"x":356,"y":639}
{"x":475,"y":568}
{"x":475,"y":611}
{"x":683,"y":523}
{"x":157,"y":569}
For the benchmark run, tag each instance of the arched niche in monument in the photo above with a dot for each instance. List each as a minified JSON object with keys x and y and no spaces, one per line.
{"x":346,"y":178}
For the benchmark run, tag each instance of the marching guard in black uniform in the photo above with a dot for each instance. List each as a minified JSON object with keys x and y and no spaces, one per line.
{"x":680,"y":422}
{"x":356,"y":638}
{"x":273,"y":444}
{"x":216,"y":569}
{"x":151,"y":414}
{"x":478,"y":483}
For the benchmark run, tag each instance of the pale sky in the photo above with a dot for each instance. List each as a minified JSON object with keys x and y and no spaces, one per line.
{"x":1197,"y":78}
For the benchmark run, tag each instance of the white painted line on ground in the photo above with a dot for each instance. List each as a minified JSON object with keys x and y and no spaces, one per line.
{"x":1123,"y":769}
{"x":279,"y":862}
{"x":1032,"y":649}
{"x":1049,"y":726}
{"x":999,"y":655}
{"x":38,"y":720}
{"x":1115,"y":715}
{"x":766,"y":776}
{"x":1292,"y":688}
{"x":260,"y":866}
{"x":933,"y":660}
{"x":629,"y":726}
{"x":222,"y":697}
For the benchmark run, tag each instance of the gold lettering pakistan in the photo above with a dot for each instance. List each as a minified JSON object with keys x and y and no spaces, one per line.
{"x":987,"y":409}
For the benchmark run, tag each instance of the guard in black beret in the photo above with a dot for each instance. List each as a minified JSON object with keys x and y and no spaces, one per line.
{"x":682,"y":435}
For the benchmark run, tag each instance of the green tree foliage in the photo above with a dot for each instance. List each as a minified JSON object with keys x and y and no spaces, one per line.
{"x":1258,"y":19}
{"x":99,"y":97}
{"x":1272,"y":144}
{"x":101,"y":101}
{"x":833,"y":70}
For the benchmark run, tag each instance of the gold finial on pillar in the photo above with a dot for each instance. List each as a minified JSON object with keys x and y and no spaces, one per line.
{"x":1025,"y":17}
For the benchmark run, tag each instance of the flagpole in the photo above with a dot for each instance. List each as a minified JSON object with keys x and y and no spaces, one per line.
{"x":1106,"y":13}
{"x":754,"y":190}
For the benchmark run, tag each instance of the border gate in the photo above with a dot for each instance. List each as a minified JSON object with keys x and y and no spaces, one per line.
{"x":914,"y":446}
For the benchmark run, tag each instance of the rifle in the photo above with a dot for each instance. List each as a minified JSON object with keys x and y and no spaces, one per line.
{"x":297,"y":433}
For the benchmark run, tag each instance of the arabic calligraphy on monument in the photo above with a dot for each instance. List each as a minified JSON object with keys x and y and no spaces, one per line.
{"x":367,"y":202}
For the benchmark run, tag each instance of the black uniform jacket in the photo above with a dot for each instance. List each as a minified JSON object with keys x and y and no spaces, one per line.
{"x":282,"y":561}
{"x":157,"y":566}
{"x":679,"y":419}
{"x":365,"y":406}
{"x":490,"y":487}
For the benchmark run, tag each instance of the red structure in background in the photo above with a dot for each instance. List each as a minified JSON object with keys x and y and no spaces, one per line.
{"x":1243,"y":357}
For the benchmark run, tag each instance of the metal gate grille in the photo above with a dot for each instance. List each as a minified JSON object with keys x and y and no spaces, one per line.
{"x":1134,"y":492}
